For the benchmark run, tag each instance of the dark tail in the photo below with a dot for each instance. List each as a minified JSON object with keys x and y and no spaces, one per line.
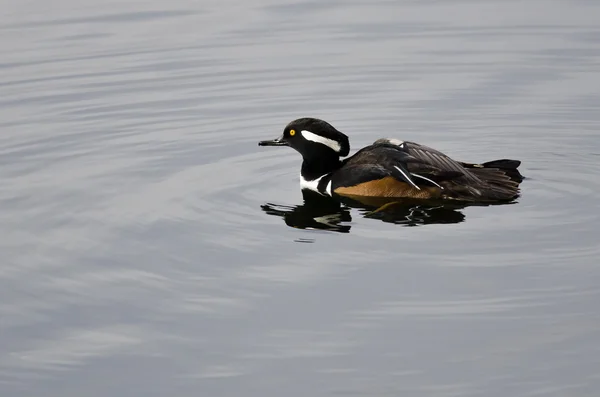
{"x":501,"y":177}
{"x":509,"y":167}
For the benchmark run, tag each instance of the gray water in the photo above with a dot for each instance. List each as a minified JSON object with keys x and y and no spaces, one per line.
{"x":151,"y":248}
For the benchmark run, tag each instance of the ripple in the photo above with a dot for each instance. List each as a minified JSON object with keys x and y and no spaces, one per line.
{"x":144,"y":228}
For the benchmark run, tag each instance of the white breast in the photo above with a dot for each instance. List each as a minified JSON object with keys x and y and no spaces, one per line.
{"x":314,"y":184}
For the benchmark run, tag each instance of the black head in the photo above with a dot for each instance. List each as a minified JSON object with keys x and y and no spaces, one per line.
{"x":312,"y":137}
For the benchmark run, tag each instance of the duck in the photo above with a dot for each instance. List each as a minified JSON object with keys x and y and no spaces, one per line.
{"x":392,"y":168}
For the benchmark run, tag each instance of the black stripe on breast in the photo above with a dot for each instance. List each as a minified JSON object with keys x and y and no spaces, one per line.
{"x":322,"y":186}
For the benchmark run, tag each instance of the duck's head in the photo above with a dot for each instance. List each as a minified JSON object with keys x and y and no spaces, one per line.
{"x":312,"y":138}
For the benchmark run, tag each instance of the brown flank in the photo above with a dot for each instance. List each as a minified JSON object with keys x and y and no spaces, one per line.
{"x":388,"y":187}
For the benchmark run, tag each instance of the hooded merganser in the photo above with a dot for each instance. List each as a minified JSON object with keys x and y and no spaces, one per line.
{"x":392,"y":168}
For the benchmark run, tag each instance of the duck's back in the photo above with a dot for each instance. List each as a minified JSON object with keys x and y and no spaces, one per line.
{"x":433,"y":171}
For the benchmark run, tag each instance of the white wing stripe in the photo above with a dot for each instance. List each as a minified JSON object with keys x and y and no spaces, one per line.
{"x":407,"y":178}
{"x":427,"y":179}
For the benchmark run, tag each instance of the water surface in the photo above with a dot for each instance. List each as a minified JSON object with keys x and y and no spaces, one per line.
{"x":150,"y":247}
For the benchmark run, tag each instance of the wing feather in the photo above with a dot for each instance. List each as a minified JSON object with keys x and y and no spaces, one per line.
{"x":438,"y":162}
{"x":498,"y":179}
{"x":408,"y":162}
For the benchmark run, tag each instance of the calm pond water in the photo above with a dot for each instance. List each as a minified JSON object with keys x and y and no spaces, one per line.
{"x":151,"y":248}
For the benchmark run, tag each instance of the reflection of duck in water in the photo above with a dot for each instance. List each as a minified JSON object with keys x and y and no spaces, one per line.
{"x":390,"y":168}
{"x":327,"y":213}
{"x":409,"y":212}
{"x":317,"y":212}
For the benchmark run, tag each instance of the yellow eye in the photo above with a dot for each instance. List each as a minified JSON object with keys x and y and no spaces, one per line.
{"x":292,"y":132}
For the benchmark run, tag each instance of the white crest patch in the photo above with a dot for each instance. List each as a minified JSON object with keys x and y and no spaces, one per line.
{"x":314,"y":184}
{"x":309,"y":136}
